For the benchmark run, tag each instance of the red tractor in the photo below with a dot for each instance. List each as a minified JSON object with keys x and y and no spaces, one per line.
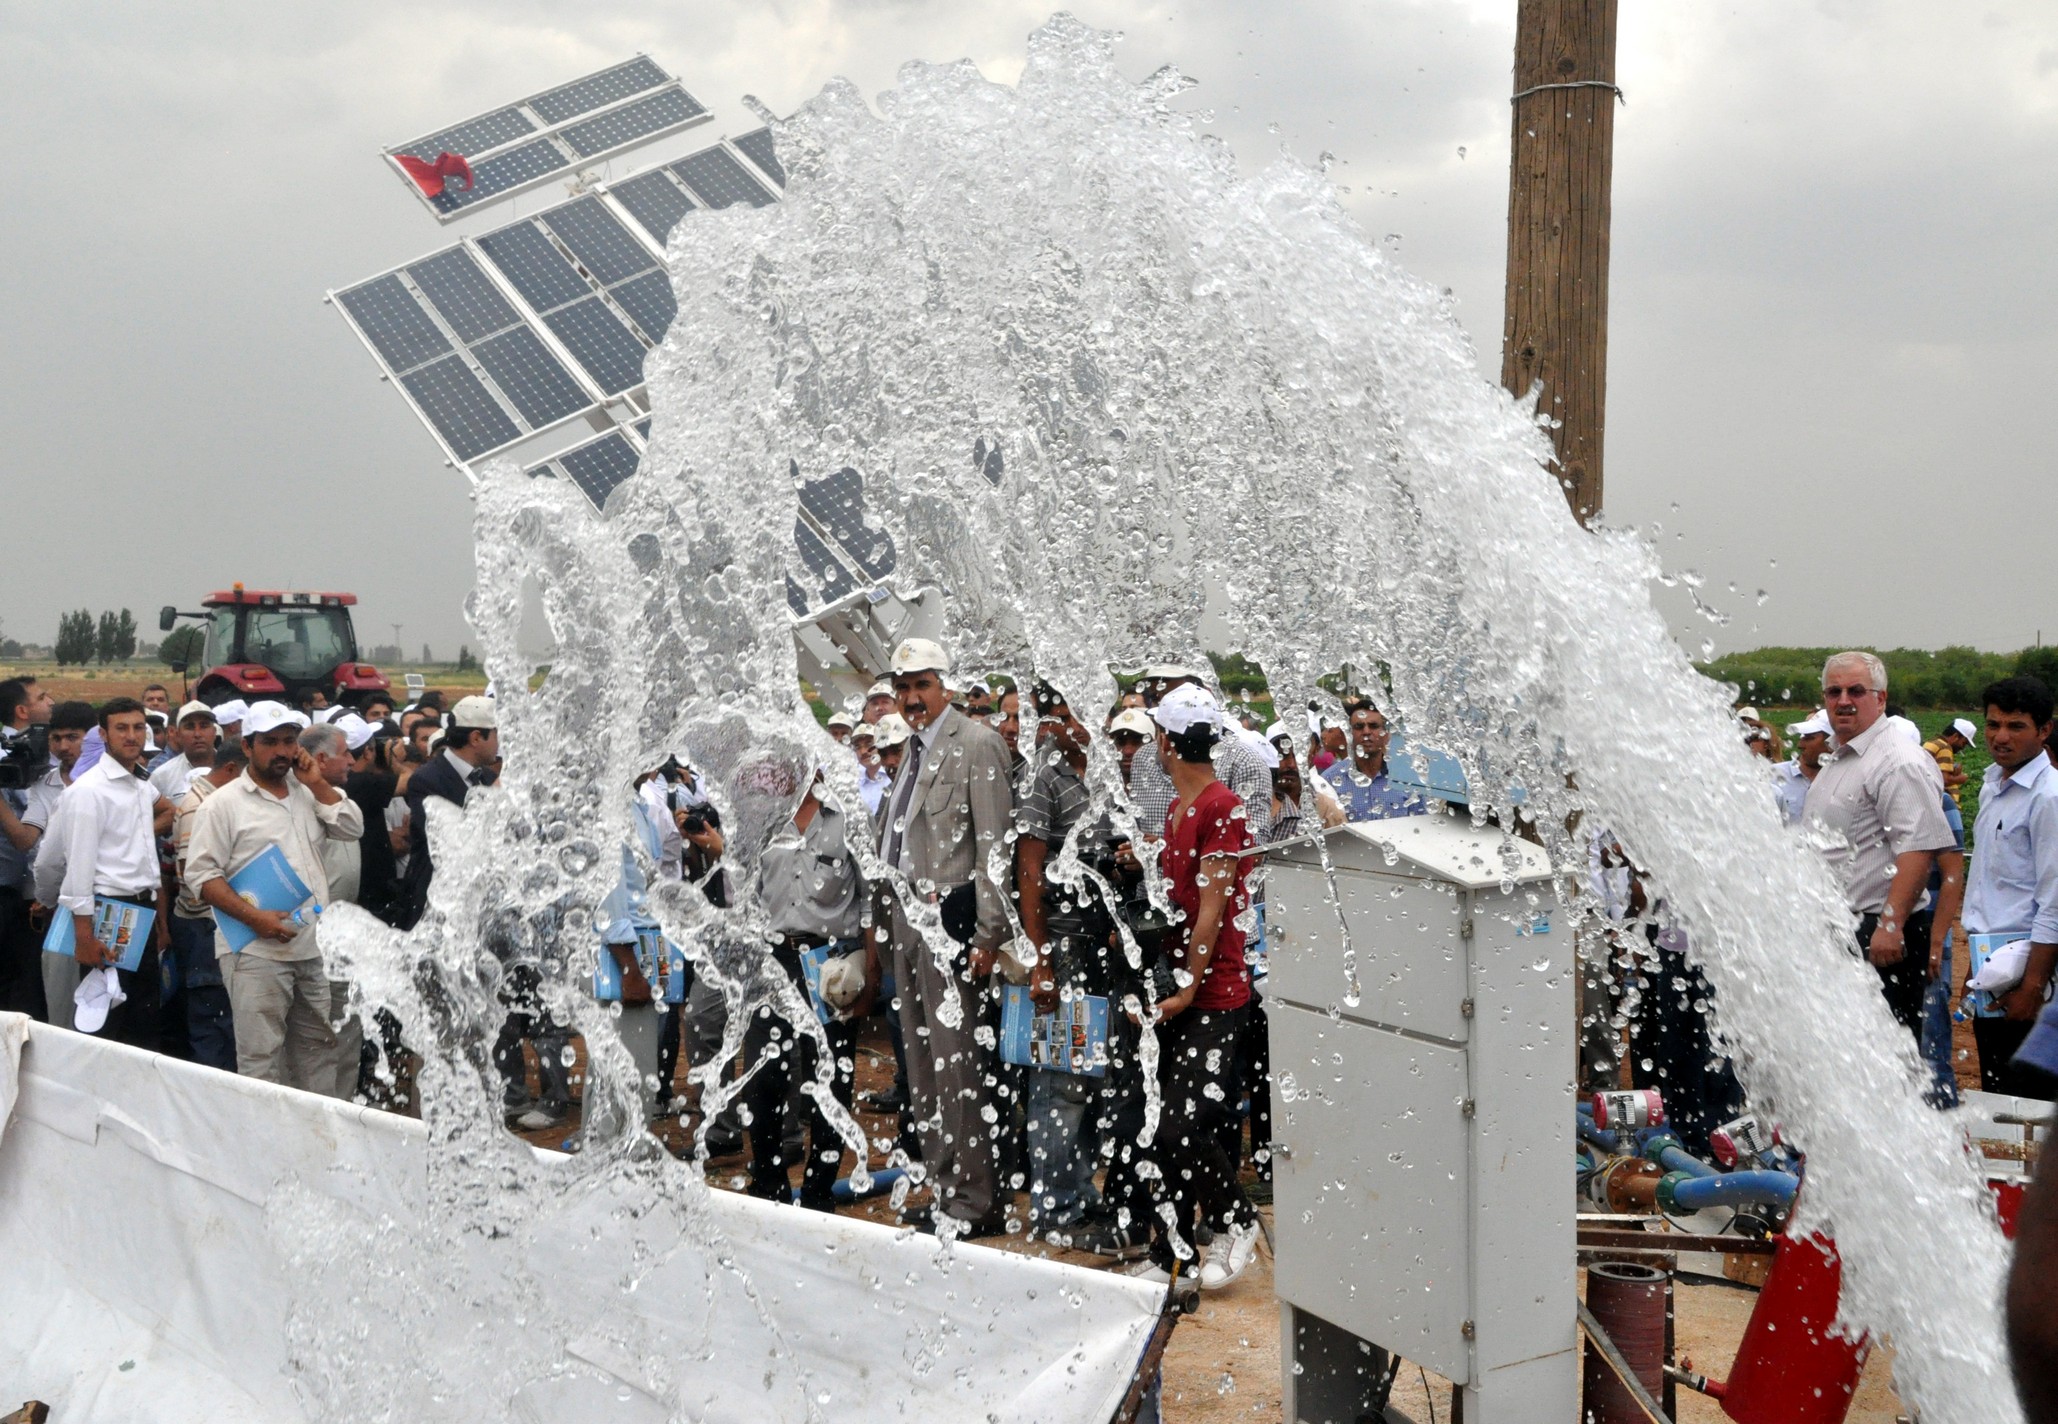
{"x":261,"y":643}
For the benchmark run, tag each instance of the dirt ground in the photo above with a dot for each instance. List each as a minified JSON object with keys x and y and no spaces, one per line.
{"x":1223,"y":1361}
{"x":98,"y":684}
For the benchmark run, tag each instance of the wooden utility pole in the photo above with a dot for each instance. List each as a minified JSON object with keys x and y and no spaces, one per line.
{"x":1556,"y":328}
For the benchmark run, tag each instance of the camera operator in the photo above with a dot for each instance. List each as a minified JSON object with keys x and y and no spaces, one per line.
{"x":24,"y":769}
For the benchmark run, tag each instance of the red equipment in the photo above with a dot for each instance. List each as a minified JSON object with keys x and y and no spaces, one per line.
{"x":1791,"y":1368}
{"x":268,"y":643}
{"x":1628,"y":1109}
{"x":433,"y":177}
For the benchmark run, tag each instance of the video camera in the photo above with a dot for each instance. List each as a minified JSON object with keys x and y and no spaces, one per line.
{"x":24,"y":758}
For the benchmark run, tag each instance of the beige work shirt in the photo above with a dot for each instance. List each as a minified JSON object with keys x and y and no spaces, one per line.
{"x":234,"y":825}
{"x":1881,"y":793}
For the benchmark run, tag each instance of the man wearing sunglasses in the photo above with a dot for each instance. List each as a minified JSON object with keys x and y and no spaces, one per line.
{"x":1882,"y":795}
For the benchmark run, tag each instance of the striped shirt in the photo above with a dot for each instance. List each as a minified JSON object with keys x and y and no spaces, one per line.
{"x":1236,"y":765}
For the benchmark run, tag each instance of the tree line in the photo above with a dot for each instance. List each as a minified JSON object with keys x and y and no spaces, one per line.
{"x":1949,"y":678}
{"x":83,"y":639}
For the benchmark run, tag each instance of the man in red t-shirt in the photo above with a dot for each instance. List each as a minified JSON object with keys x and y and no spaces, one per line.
{"x":1206,"y":866}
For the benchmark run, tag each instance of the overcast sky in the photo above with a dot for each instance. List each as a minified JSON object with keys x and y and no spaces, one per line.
{"x":1835,"y":270}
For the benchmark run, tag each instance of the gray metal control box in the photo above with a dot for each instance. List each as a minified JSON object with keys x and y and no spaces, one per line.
{"x":1420,"y":1007}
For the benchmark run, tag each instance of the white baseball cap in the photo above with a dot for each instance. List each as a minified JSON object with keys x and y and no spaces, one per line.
{"x":841,"y":719}
{"x":476,"y":713}
{"x":890,"y":731}
{"x":229,"y":713}
{"x":1168,"y":672}
{"x":843,"y":980}
{"x":1747,"y":714}
{"x":881,"y":688}
{"x":99,"y":990}
{"x":1267,"y":753}
{"x":1185,"y":707}
{"x":356,"y":731}
{"x":1816,"y":725}
{"x":195,"y":708}
{"x":269,"y":717}
{"x":920,"y":655}
{"x":1133,"y":719}
{"x":1964,"y":728}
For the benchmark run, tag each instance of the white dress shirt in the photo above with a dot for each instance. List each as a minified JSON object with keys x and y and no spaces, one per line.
{"x":2013,"y":885}
{"x":1881,"y":793}
{"x":109,"y":846}
{"x":174,"y":778}
{"x":657,"y":801}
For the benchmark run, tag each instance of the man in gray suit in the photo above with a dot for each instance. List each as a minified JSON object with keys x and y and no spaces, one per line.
{"x":943,"y":820}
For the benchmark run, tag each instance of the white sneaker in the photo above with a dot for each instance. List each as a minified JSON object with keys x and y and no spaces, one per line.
{"x":1157,"y":1275}
{"x":1229,"y":1256}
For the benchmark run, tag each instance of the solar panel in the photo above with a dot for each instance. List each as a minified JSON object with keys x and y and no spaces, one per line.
{"x":837,"y":503}
{"x":470,"y":421}
{"x":795,"y":600}
{"x":395,"y":324}
{"x":464,"y":296}
{"x":649,"y":302}
{"x":536,"y":381}
{"x":602,"y":245}
{"x":494,"y":176}
{"x":535,"y":266}
{"x":666,"y":109}
{"x":718,"y":180}
{"x":581,"y":96}
{"x":828,"y":576}
{"x":473,"y":135}
{"x":757,"y":147}
{"x":600,"y":466}
{"x":656,"y":202}
{"x":606,"y":348}
{"x":643,"y":429}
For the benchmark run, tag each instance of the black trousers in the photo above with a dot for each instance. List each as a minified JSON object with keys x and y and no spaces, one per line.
{"x":1118,"y":1121}
{"x":1670,"y":1035}
{"x":1903,"y":983}
{"x":138,"y":1020}
{"x":1998,"y":1072}
{"x":1196,"y":1060}
{"x":781,"y":1057}
{"x":21,"y":958}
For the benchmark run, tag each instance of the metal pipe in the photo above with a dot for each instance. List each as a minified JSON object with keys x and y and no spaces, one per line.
{"x":1659,"y":1144}
{"x":1681,"y":1195}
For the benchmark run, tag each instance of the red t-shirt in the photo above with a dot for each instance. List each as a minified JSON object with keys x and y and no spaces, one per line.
{"x":1213,"y":825}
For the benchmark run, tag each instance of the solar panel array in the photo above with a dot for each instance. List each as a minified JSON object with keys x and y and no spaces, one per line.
{"x":556,"y":131}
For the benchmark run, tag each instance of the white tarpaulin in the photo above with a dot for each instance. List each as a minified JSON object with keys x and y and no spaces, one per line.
{"x":143,"y":1202}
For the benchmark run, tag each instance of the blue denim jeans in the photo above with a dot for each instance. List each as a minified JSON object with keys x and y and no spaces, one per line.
{"x":1061,"y":1161}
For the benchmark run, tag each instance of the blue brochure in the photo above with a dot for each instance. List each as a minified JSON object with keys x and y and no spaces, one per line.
{"x":268,"y":883}
{"x":1071,"y":1039}
{"x":118,"y":925}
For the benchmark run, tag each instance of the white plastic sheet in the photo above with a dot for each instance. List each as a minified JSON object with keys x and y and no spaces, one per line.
{"x":146,"y":1285}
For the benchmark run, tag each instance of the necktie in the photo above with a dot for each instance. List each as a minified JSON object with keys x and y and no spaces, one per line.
{"x":480,"y":776}
{"x":903,"y":798}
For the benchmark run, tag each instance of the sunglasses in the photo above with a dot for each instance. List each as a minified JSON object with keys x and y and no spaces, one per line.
{"x":1854,"y":692}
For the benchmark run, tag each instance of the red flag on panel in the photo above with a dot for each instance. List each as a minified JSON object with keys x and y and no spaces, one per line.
{"x":431,"y":178}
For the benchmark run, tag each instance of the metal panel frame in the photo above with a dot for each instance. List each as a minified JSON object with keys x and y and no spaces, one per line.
{"x":544,"y":129}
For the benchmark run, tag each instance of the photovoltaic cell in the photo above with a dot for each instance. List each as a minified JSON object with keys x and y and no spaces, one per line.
{"x":826,"y":574}
{"x":501,"y":172}
{"x":464,"y":296}
{"x":538,"y":384}
{"x":837,"y":503}
{"x":535,"y":266}
{"x":473,"y":135}
{"x":598,"y":467}
{"x":656,"y":202}
{"x":470,"y":421}
{"x":581,"y":96}
{"x":668,"y":108}
{"x":757,"y":147}
{"x":606,"y":348}
{"x":718,"y":180}
{"x":395,"y":324}
{"x":795,"y":600}
{"x":649,"y":302}
{"x":600,"y":243}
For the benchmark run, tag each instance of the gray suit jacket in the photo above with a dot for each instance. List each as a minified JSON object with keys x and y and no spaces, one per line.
{"x":963,"y":805}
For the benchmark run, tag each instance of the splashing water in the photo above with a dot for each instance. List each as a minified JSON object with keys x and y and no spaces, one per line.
{"x":1089,"y":374}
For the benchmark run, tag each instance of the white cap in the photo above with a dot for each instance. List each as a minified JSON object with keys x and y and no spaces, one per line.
{"x":1747,"y":714}
{"x":866,"y":730}
{"x":841,"y":719}
{"x":195,"y":708}
{"x":356,"y":731}
{"x":890,"y":731}
{"x":477,"y":713}
{"x":1277,"y":730}
{"x":231,"y":712}
{"x":1132,"y":719}
{"x":881,"y":688}
{"x":1906,"y":728}
{"x":269,"y":717}
{"x":1168,"y":672}
{"x":1816,"y":725}
{"x":1268,"y":753}
{"x":920,"y":655}
{"x":1186,"y":707}
{"x":99,"y":990}
{"x":843,"y":980}
{"x":1964,"y":728}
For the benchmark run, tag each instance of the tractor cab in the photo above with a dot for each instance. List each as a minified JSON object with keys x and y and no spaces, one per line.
{"x":262,"y":643}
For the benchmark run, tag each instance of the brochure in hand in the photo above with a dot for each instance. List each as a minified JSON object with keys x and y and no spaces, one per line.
{"x":1073,"y":1039}
{"x":1998,"y":964}
{"x":652,"y":949}
{"x":267,"y":883}
{"x":118,"y":925}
